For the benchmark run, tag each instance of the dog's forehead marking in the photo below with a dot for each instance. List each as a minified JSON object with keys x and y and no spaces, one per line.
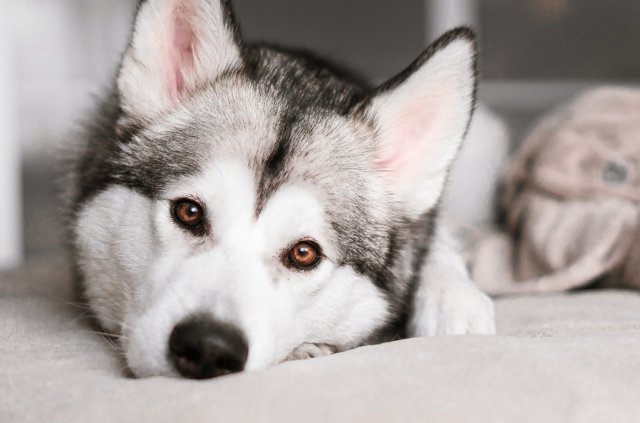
{"x":275,"y":162}
{"x":314,"y":147}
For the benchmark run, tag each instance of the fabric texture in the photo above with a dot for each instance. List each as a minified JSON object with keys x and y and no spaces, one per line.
{"x":561,"y":358}
{"x":571,"y":202}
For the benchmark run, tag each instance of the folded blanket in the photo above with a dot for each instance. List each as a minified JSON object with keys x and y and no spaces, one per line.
{"x":570,"y":202}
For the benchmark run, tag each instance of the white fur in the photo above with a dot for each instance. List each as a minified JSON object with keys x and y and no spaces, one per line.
{"x":422,"y":124}
{"x":447,"y":301}
{"x":115,"y":225}
{"x":152,"y":275}
{"x":471,"y":188}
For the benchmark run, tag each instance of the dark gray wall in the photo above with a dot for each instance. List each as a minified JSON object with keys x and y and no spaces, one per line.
{"x":523,"y":39}
{"x":561,"y":39}
{"x":378,"y":38}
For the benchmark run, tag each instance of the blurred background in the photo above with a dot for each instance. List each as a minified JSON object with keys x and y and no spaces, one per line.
{"x":56,"y":55}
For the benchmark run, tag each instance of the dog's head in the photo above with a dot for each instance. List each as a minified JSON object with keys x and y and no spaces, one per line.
{"x":250,"y":201}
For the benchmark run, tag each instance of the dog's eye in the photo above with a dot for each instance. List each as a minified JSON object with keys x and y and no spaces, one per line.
{"x":305,"y":255}
{"x":188,"y":214}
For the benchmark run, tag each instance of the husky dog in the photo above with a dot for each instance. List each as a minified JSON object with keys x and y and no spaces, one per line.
{"x":238,"y":205}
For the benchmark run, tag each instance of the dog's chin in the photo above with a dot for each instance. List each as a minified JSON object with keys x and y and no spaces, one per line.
{"x":145,"y":364}
{"x":138,"y":371}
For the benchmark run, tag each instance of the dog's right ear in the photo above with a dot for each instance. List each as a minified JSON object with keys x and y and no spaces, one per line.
{"x":422,"y":117}
{"x":176,"y":46}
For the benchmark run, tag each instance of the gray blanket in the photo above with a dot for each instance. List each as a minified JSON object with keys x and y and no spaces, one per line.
{"x":562,"y":358}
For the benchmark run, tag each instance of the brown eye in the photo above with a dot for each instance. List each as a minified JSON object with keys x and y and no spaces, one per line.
{"x":305,"y":255}
{"x":188,"y":214}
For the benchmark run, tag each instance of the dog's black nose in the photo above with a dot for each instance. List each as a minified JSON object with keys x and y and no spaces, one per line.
{"x":202,"y":348}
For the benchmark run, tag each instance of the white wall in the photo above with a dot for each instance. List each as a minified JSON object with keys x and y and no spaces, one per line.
{"x":443,"y":15}
{"x":10,"y":211}
{"x":54,"y":54}
{"x":66,"y":49}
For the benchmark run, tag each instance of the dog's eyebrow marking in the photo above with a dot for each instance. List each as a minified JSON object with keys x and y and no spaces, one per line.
{"x":274,"y":170}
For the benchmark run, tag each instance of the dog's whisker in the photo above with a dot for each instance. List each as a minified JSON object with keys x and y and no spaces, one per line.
{"x":107,"y":334}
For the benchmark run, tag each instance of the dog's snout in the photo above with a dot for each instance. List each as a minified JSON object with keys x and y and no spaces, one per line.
{"x":202,"y":348}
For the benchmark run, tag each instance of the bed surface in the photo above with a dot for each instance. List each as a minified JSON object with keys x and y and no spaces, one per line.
{"x":564,"y":358}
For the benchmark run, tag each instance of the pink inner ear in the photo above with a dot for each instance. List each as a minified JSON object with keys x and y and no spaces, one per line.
{"x":407,"y":136}
{"x":181,"y":49}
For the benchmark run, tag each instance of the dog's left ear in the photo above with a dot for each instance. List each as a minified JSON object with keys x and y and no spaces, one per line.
{"x":422,"y":117}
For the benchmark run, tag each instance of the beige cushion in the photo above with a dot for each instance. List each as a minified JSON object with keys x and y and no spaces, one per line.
{"x":571,"y":201}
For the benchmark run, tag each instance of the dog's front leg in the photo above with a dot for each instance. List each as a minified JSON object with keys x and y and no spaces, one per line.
{"x":447,"y":301}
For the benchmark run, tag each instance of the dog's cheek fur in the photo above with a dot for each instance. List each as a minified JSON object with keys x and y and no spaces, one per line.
{"x":344,"y":311}
{"x":114,"y":244}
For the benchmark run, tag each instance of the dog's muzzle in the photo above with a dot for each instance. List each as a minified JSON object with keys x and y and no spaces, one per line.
{"x":203,"y":348}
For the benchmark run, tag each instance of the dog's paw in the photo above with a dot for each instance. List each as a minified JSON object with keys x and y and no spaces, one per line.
{"x":305,"y":351}
{"x":453,"y":310}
